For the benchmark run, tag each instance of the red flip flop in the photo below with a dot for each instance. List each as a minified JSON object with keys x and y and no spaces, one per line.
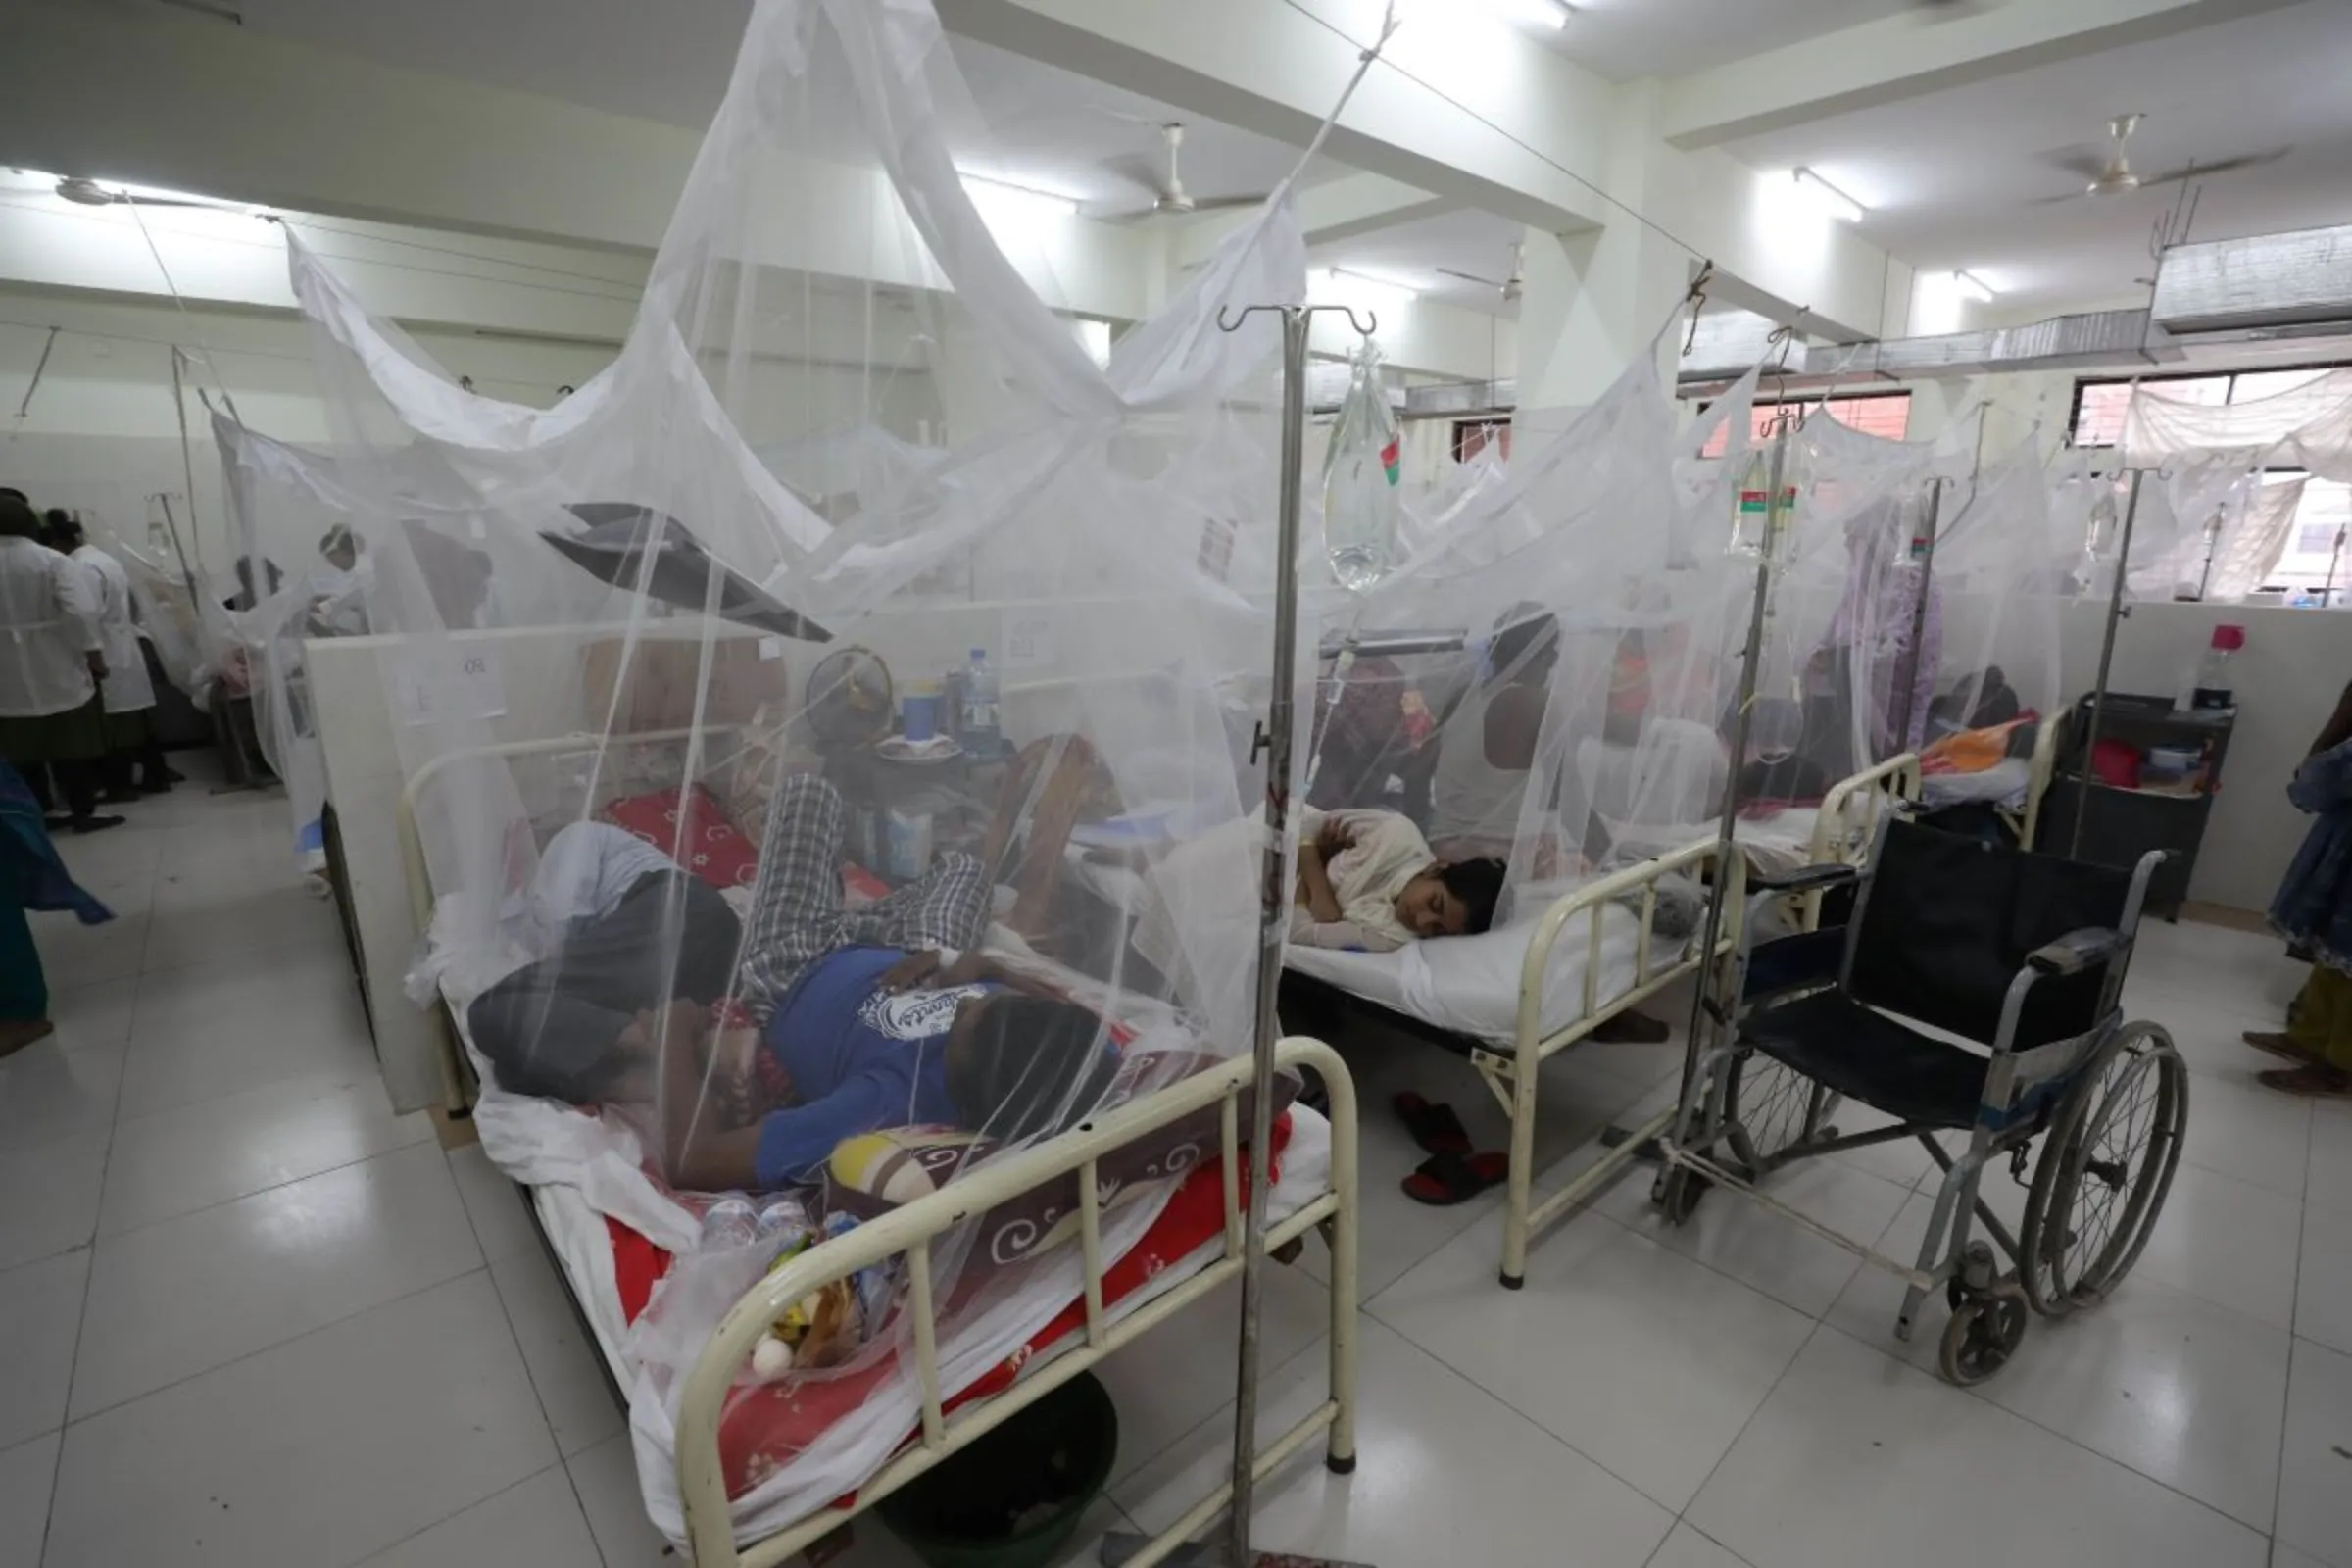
{"x":1431,"y":1123}
{"x":1445,"y":1180}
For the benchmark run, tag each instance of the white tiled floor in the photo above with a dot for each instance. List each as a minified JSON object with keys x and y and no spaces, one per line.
{"x":249,"y":1315}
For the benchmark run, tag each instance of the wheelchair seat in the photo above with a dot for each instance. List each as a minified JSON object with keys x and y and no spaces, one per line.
{"x":1868,"y":1056}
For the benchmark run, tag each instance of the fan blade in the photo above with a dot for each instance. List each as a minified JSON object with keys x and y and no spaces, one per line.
{"x":2085,"y":163}
{"x":1470,"y":278}
{"x":1109,"y":112}
{"x":2173,"y":177}
{"x":1226,"y":204}
{"x":1139,"y":170}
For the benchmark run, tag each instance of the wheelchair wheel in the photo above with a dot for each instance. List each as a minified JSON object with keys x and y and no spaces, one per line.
{"x":2105,"y":1169}
{"x":1983,"y":1332}
{"x":1772,"y":1109}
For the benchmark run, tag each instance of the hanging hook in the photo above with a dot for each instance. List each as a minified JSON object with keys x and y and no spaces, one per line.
{"x":1696,"y":299}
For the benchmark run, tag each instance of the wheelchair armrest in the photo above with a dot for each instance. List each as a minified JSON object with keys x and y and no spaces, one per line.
{"x":1805,"y":879}
{"x":2076,"y":952}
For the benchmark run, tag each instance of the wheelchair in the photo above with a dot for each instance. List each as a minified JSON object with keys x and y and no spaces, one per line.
{"x":1975,"y":991}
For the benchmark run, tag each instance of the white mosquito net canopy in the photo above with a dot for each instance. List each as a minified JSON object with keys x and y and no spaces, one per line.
{"x":1546,"y":674}
{"x":761,"y":701}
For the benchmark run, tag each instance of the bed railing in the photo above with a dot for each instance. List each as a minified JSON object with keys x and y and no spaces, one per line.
{"x":907,"y":1232}
{"x":1532,"y":1046}
{"x":1837,"y":840}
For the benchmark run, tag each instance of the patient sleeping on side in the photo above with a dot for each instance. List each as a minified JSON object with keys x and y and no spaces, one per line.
{"x":1369,"y":880}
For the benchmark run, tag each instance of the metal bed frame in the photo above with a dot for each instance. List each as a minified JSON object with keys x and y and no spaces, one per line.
{"x":907,"y":1232}
{"x":1512,"y":1072}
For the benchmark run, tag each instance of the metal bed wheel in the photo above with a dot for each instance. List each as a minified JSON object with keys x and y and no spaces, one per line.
{"x":2105,"y":1170}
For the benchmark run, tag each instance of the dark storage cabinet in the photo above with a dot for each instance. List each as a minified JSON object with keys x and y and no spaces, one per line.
{"x":2122,"y":824}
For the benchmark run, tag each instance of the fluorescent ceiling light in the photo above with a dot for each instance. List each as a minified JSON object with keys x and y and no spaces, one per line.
{"x":1550,"y":15}
{"x":1827,"y":198}
{"x":1972,"y":288}
{"x":1338,"y":286}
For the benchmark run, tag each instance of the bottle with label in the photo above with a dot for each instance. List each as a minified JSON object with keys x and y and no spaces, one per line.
{"x":2211,"y":687}
{"x":977,"y":723}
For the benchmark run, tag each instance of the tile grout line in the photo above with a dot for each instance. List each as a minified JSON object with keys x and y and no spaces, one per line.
{"x":73,"y":1421}
{"x":394,"y":1545}
{"x":272,"y":1186}
{"x":81,"y":1320}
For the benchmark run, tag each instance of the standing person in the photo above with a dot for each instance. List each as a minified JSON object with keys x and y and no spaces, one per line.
{"x":32,"y":877}
{"x":1867,"y":658}
{"x":51,"y":658}
{"x":127,"y":693}
{"x":2313,"y":910}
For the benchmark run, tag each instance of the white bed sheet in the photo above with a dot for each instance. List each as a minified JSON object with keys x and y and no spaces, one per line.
{"x":2004,"y":783}
{"x":1470,"y":984}
{"x":578,"y":1168}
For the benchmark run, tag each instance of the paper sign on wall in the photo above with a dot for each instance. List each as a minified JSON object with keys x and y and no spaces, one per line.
{"x":1029,"y":642}
{"x":450,"y":684}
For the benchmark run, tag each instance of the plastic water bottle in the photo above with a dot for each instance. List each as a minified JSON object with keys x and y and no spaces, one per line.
{"x":2213,"y":686}
{"x":977,"y":724}
{"x":730,"y":1222}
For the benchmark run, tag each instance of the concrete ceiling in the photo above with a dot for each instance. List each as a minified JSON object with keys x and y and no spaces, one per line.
{"x":1969,"y":177}
{"x":1045,"y":126}
{"x":1623,"y":39}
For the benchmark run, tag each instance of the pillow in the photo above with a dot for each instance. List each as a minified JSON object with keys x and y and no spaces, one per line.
{"x":870,"y":1175}
{"x":709,"y":846}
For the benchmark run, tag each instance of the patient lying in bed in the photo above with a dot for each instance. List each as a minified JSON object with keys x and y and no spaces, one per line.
{"x":1369,"y":880}
{"x":853,"y":1021}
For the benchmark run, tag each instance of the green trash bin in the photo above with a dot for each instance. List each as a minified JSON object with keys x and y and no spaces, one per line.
{"x":1013,"y":1498}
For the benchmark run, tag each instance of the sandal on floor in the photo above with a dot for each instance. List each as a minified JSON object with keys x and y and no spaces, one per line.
{"x":2278,"y":1045}
{"x":1632,"y":1028}
{"x":1445,"y":1180}
{"x":2312,"y":1081}
{"x":1431,"y":1123}
{"x":17,"y":1032}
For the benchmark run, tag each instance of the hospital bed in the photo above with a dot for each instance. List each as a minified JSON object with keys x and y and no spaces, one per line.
{"x":747,"y":1480}
{"x":1513,"y":998}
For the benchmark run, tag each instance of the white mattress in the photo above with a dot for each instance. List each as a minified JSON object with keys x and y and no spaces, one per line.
{"x":2004,"y":783}
{"x":579,"y":1168}
{"x":1470,"y":984}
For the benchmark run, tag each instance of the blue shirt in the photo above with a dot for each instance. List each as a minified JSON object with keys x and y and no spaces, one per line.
{"x":860,"y":1060}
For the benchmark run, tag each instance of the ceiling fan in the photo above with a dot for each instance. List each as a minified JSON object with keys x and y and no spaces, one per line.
{"x":1514,"y":282}
{"x":1166,"y":181}
{"x":2113,"y":175}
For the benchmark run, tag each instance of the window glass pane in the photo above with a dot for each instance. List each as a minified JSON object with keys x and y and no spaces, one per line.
{"x":2099,"y":421}
{"x":2326,"y":510}
{"x":2255,"y":385}
{"x":1886,"y":416}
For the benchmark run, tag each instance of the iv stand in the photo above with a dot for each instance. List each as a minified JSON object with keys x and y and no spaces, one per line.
{"x":1775,"y":519}
{"x":1273,"y":742}
{"x":2116,"y":612}
{"x":1900,"y":740}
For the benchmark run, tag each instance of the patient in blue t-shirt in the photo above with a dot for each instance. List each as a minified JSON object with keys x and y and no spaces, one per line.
{"x":861,"y":1020}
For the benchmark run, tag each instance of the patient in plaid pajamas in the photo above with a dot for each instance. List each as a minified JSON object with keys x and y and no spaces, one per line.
{"x":853,"y":1020}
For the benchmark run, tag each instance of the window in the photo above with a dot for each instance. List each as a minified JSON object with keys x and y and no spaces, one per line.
{"x":1886,"y":415}
{"x":2310,"y":562}
{"x":1473,"y":436}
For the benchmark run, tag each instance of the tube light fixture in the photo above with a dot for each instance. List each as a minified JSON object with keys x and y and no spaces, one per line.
{"x":1550,"y":15}
{"x":1970,"y":287}
{"x":1828,"y":198}
{"x":1338,"y":286}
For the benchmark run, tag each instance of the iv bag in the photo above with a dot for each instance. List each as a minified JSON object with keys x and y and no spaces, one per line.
{"x":1359,"y":479}
{"x":1762,"y":523}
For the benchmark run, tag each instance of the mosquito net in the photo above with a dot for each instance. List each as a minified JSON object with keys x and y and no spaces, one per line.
{"x":829,"y":729}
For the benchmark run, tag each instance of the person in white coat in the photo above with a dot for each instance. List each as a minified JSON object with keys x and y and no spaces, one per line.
{"x":51,"y":658}
{"x":128,"y":690}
